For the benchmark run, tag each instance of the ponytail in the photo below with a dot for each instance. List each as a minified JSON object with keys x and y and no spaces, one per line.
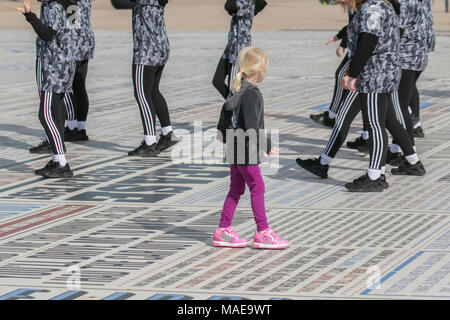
{"x":237,"y":83}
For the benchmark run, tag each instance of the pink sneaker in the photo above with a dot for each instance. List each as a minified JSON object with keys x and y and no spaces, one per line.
{"x":269,"y":240}
{"x":229,"y":238}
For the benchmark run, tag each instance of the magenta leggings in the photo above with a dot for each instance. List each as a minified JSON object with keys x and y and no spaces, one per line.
{"x":239,"y":176}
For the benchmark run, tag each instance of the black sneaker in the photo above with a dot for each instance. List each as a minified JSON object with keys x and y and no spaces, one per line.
{"x":365,"y":184}
{"x":409,"y":169}
{"x":397,"y":162}
{"x":314,"y":166}
{"x":383,"y":182}
{"x":393,"y":158}
{"x":58,"y":171}
{"x":358,"y":142}
{"x":43,"y":148}
{"x":363,"y":148}
{"x":418,"y":132}
{"x":145,"y":150}
{"x":327,"y":121}
{"x":323,"y":119}
{"x":69,"y":134}
{"x":166,"y":141}
{"x":75,"y":135}
{"x":47,"y":167}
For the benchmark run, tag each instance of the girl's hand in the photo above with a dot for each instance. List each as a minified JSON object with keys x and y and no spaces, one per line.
{"x":274,"y":151}
{"x":349,"y":83}
{"x":334,"y":39}
{"x":27,"y":4}
{"x":340,"y":51}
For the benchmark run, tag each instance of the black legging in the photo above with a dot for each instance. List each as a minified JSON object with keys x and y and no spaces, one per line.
{"x":406,"y":91}
{"x":77,"y":101}
{"x":223,"y":71}
{"x":348,"y":111}
{"x":150,"y":100}
{"x":52,"y":115}
{"x":339,"y":94}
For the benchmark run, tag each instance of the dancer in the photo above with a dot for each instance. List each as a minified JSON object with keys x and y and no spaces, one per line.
{"x":244,"y":167}
{"x":417,"y":41}
{"x":373,"y":40}
{"x":151,"y":53}
{"x":327,"y":118}
{"x":57,"y":66}
{"x":77,"y":101}
{"x":242,"y":13}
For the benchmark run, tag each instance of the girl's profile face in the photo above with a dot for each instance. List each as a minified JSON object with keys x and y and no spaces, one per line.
{"x":262,"y":74}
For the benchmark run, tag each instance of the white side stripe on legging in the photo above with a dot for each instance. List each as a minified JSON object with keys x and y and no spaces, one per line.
{"x":339,"y":90}
{"x":69,"y":107}
{"x":142,"y":102}
{"x":397,"y":109}
{"x":50,"y":123}
{"x":377,"y":152}
{"x":340,"y":119}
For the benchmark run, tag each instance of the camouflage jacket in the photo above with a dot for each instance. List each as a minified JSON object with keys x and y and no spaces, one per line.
{"x":239,"y":36}
{"x":382,"y":72}
{"x":418,"y":38}
{"x":56,"y":55}
{"x":151,"y":44}
{"x":84,"y":41}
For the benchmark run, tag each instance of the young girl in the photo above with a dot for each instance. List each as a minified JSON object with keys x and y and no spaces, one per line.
{"x":150,"y":54}
{"x":57,"y":66}
{"x":242,"y":13}
{"x":253,"y":64}
{"x":77,"y":102}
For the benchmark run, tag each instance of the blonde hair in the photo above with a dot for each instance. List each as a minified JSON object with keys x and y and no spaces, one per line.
{"x":251,"y":60}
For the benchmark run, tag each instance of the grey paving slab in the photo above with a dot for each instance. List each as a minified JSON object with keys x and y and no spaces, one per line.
{"x":142,"y":228}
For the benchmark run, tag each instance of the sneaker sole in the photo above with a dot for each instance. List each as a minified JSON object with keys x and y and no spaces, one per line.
{"x":230,"y":245}
{"x":269,"y":246}
{"x":366,"y":190}
{"x":64,"y":175}
{"x":418,"y":174}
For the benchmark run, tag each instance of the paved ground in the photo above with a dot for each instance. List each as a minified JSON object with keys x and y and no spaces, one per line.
{"x":142,"y":228}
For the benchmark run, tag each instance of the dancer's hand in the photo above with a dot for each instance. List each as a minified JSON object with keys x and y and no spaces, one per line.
{"x":274,"y":151}
{"x":340,"y":51}
{"x":27,"y":4}
{"x":332,"y":40}
{"x":349,"y":83}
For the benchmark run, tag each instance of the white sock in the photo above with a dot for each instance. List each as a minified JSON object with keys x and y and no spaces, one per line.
{"x":61,"y":158}
{"x":331,"y":114}
{"x":374,"y":174}
{"x":395,"y":148}
{"x":72,"y":124}
{"x":418,"y":124}
{"x":410,"y":110}
{"x":383,"y":170}
{"x":412,"y":159}
{"x":166,"y":130}
{"x":81,"y":125}
{"x":365,"y":135}
{"x":414,"y":147}
{"x":149,"y":140}
{"x":325,"y":160}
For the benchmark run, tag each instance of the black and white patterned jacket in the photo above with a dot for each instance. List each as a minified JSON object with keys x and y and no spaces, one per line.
{"x":151,"y":44}
{"x":239,"y":35}
{"x":382,"y":72}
